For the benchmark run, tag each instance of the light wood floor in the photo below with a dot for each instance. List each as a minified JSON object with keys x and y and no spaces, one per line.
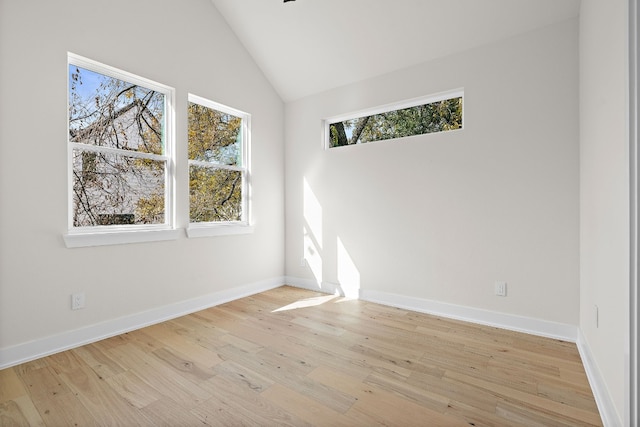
{"x":294,"y":357}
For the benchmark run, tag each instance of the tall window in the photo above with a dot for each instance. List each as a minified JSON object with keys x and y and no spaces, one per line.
{"x":437,"y":113}
{"x":120,"y":150}
{"x":218,"y":160}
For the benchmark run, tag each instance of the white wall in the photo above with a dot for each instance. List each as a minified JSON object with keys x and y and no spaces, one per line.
{"x":442,"y":216}
{"x":604,"y":189}
{"x":183,"y":44}
{"x":436,"y":217}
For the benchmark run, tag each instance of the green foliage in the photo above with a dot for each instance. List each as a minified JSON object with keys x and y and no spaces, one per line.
{"x":110,"y":188}
{"x":215,"y":193}
{"x":213,"y":136}
{"x":427,"y":118}
{"x":150,"y":210}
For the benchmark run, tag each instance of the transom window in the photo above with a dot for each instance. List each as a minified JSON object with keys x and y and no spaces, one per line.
{"x":218,"y":163}
{"x":436,"y":113}
{"x":120,"y":149}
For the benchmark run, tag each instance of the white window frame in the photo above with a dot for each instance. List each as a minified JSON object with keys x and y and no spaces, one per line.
{"x":222,"y":228}
{"x":413,"y":102}
{"x":121,"y":234}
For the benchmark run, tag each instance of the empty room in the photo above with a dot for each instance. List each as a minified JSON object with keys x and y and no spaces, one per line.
{"x":305,"y":212}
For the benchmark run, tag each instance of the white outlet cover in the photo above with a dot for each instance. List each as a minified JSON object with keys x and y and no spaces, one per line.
{"x":501,"y":289}
{"x":77,"y":301}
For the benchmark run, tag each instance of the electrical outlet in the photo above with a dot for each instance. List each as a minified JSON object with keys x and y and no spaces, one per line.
{"x":77,"y":301}
{"x":501,"y":289}
{"x":303,"y":262}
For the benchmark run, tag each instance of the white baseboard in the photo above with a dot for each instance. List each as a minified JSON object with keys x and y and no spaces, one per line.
{"x":312,"y":285}
{"x":501,"y":320}
{"x":601,"y":394}
{"x":11,"y":356}
{"x":511,"y":322}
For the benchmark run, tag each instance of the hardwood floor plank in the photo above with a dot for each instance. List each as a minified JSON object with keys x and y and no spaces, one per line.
{"x":304,"y":407}
{"x":294,"y":357}
{"x":20,"y":412}
{"x":133,"y":389}
{"x":167,"y":412}
{"x":11,"y":415}
{"x":66,"y":361}
{"x":103,"y":403}
{"x":240,"y":343}
{"x":391,"y":409}
{"x":12,"y":386}
{"x":529,"y":401}
{"x":98,"y":360}
{"x":291,"y":372}
{"x":30,"y":366}
{"x":184,"y":365}
{"x":167,"y":335}
{"x":242,"y":375}
{"x":63,"y":410}
{"x":325,"y":328}
{"x":559,"y":391}
{"x":160,"y":376}
{"x":456,"y":391}
{"x":427,"y":398}
{"x":237,"y":402}
{"x":518,"y":415}
{"x":344,"y":382}
{"x":54,"y":400}
{"x":43,"y":382}
{"x":337,"y":362}
{"x":340,"y":349}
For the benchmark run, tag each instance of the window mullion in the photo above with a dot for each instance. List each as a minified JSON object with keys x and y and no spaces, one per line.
{"x":118,"y":151}
{"x":215,"y":166}
{"x":218,"y":166}
{"x":121,"y":156}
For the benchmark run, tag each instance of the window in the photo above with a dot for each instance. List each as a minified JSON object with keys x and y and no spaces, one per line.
{"x":437,"y":113}
{"x":120,"y":152}
{"x":218,"y":174}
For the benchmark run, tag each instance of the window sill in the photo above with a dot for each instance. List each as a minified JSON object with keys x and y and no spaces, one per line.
{"x":82,"y":240}
{"x":209,"y":230}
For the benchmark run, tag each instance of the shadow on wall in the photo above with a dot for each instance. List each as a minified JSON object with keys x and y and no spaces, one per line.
{"x":347,"y":273}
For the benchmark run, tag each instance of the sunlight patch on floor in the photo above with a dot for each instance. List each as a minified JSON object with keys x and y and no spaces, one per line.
{"x":308,"y":302}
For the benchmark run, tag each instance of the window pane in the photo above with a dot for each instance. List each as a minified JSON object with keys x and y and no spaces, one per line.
{"x":109,"y":112}
{"x":215,"y":194}
{"x":110,"y":189}
{"x":433,"y":117}
{"x":214,"y":136}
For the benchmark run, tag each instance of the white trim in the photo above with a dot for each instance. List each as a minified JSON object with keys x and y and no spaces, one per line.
{"x":510,"y":322}
{"x":407,"y":103}
{"x":212,"y":165}
{"x":632,"y":368}
{"x":400,"y":105}
{"x":116,"y":73}
{"x":313,"y":285}
{"x":601,"y":394}
{"x":83,"y":240}
{"x":21,"y":353}
{"x":209,"y":229}
{"x":244,"y":168}
{"x":118,"y":152}
{"x":195,"y":99}
{"x":120,"y":234}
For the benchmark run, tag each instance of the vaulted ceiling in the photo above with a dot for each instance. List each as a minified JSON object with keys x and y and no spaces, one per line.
{"x":309,"y":46}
